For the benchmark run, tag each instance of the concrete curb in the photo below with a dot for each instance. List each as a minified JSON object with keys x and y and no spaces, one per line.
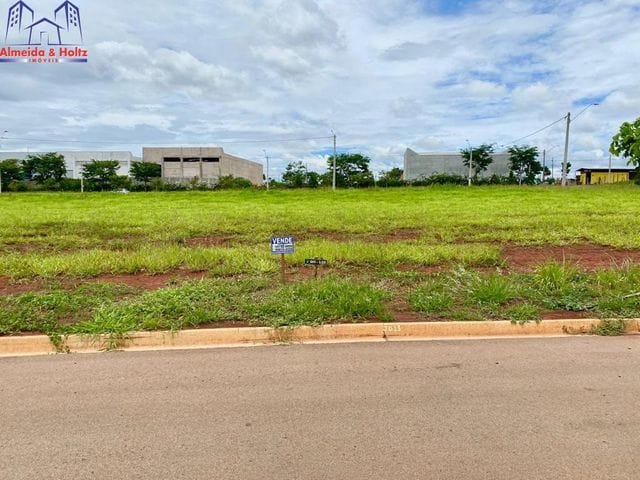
{"x":234,"y":337}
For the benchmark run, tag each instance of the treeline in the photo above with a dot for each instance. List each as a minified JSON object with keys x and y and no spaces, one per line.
{"x":352,"y":171}
{"x":47,"y":172}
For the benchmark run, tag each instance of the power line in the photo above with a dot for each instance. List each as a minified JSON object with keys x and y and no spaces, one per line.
{"x":111,"y":142}
{"x":536,"y":132}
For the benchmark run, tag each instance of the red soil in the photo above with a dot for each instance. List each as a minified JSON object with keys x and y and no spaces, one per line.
{"x":587,"y":257}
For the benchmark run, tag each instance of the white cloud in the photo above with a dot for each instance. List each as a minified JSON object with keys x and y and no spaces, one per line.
{"x":384,"y":74}
{"x":165,"y":68}
{"x":126,"y":120}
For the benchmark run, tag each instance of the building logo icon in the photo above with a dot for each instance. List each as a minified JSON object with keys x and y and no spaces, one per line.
{"x":47,"y":39}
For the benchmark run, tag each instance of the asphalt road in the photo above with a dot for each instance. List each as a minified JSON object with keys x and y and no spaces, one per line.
{"x":492,"y":409}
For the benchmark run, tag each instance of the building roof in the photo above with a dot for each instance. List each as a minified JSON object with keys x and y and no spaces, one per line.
{"x":606,"y":170}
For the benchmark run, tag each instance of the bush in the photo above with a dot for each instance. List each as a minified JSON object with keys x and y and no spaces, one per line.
{"x":441,"y":179}
{"x":70,"y":185}
{"x":231,"y":182}
{"x":18,"y":186}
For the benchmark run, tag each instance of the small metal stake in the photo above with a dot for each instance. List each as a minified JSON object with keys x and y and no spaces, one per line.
{"x":283,"y":267}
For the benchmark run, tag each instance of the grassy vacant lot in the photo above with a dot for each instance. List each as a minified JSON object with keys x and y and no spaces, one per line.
{"x":112,"y":263}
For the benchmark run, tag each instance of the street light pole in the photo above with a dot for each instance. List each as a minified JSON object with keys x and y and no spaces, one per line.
{"x":267,"y":157}
{"x":566,"y":152}
{"x":334,"y":160}
{"x":470,"y":161}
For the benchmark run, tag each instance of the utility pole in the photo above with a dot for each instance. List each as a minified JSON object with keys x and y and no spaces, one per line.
{"x":335,"y":154}
{"x":553,"y":169}
{"x":544,"y":163}
{"x":566,"y":152}
{"x":566,"y":142}
{"x":609,"y":180}
{"x":267,"y":157}
{"x":470,"y":161}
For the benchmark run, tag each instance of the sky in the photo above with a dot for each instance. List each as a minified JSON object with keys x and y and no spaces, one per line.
{"x":278,"y":76}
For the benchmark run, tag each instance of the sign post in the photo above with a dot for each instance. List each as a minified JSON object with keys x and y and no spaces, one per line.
{"x":315,"y":262}
{"x":283,"y":246}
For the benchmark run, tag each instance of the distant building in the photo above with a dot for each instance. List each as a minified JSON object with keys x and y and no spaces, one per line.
{"x":206,"y":164}
{"x":418,"y":166}
{"x":599,"y":176}
{"x":75,"y":160}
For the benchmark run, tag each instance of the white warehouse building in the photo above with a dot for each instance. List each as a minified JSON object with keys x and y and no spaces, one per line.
{"x":74,"y":160}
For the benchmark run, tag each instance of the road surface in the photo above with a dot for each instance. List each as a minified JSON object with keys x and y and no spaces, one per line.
{"x":561,"y":408}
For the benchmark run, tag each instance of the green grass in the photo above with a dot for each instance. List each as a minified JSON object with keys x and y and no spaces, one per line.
{"x":467,"y":295}
{"x":323,"y":301}
{"x":383,"y":247}
{"x":114,"y":309}
{"x":610,"y":328}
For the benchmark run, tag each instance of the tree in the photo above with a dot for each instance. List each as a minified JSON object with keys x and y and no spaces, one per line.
{"x":481,"y":158}
{"x":101,"y":174}
{"x":145,"y":171}
{"x":626,"y":142}
{"x":295,"y":175}
{"x":44,"y":167}
{"x":10,"y":171}
{"x":352,"y":170}
{"x":391,"y":178}
{"x":524,"y":164}
{"x":313,"y":179}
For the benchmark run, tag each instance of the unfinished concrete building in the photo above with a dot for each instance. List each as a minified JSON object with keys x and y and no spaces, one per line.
{"x":204,"y":164}
{"x":418,"y":166}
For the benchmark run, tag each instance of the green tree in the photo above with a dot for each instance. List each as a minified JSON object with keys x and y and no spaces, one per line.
{"x":524,"y":164}
{"x":101,"y":174}
{"x":391,"y":178}
{"x":481,"y":158}
{"x":145,"y":171}
{"x":295,"y":175}
{"x":44,"y":167}
{"x":626,"y":142}
{"x":313,"y":179}
{"x":352,"y":170}
{"x":10,"y":171}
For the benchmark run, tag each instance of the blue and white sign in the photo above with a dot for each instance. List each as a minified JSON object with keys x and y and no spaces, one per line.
{"x":282,"y":245}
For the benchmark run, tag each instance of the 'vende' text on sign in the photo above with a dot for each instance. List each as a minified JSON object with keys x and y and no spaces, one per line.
{"x":282,"y":245}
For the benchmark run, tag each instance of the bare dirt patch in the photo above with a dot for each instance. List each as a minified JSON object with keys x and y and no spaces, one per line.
{"x":564,"y":315}
{"x":587,"y":257}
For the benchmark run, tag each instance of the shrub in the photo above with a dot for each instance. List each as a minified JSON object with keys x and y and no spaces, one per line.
{"x":18,"y":186}
{"x":231,"y":182}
